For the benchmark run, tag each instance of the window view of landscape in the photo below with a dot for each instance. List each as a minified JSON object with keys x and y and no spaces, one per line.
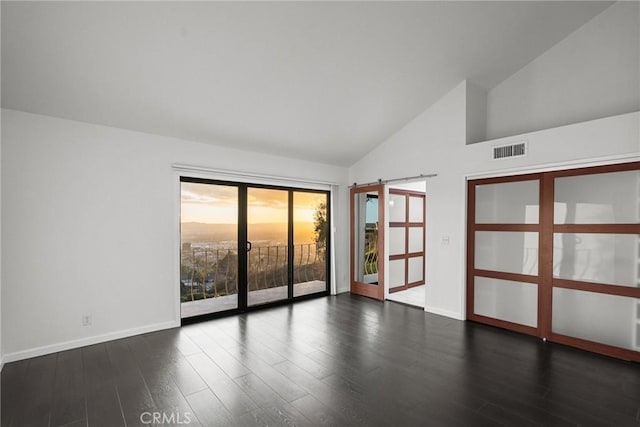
{"x":209,"y":255}
{"x":365,"y":245}
{"x":209,"y":242}
{"x":309,"y":243}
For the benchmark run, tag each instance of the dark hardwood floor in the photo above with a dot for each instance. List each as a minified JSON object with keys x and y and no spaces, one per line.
{"x":336,"y":361}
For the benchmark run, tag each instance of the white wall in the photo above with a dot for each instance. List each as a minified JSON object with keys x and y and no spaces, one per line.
{"x":435,"y":142}
{"x":415,"y":186}
{"x":476,"y":113}
{"x":340,"y":210}
{"x":89,"y":215}
{"x":432,"y":143}
{"x":593,"y":73}
{"x":1,"y":352}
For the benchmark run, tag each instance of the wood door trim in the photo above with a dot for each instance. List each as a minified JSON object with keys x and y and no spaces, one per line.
{"x":366,"y":290}
{"x":545,"y":256}
{"x":400,"y":224}
{"x":401,"y":192}
{"x":601,"y":288}
{"x":529,"y":330}
{"x":505,"y":179}
{"x":593,"y":170}
{"x":597,"y":228}
{"x":507,"y":227}
{"x":503,"y":275}
{"x":471,"y":244}
{"x":406,"y":224}
{"x":414,"y":284}
{"x":608,"y":350}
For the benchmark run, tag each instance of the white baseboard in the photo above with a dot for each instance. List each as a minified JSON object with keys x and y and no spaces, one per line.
{"x":446,"y":313}
{"x":68,"y":345}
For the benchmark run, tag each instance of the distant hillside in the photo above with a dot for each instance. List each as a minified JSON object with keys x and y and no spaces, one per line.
{"x":201,"y":232}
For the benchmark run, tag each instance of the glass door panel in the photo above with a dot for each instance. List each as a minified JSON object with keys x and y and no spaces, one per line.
{"x":507,"y":251}
{"x":397,"y":240}
{"x":508,"y":202}
{"x":515,"y":302}
{"x":397,"y":207}
{"x":397,"y":273}
{"x":597,"y":257}
{"x":597,"y":317}
{"x":310,"y":232}
{"x":366,"y":246}
{"x":416,"y":239}
{"x":603,"y":198}
{"x":367,"y":241}
{"x":415,"y":270}
{"x":416,"y":209}
{"x":209,"y":248}
{"x":267,"y":243}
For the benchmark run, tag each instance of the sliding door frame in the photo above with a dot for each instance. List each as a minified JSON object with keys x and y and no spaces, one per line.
{"x":545,"y":280}
{"x":242,"y":236}
{"x":407,"y":225}
{"x":601,"y":288}
{"x":472,"y":272}
{"x":357,"y":287}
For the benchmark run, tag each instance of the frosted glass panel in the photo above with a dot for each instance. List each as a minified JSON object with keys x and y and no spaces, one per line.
{"x":508,"y":202}
{"x":416,"y":239}
{"x":416,"y":269}
{"x":603,"y":198}
{"x":396,"y":273}
{"x":397,"y":208}
{"x":416,"y":209}
{"x":508,"y":251}
{"x":596,"y":257}
{"x":515,"y":302}
{"x":607,"y":319}
{"x":396,"y":240}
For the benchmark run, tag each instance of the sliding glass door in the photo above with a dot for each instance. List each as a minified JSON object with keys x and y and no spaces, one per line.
{"x":209,"y":248}
{"x":268,"y":238}
{"x":310,"y":233}
{"x":245,"y":245}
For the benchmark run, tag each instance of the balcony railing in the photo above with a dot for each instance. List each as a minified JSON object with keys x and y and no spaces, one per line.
{"x":208,"y":273}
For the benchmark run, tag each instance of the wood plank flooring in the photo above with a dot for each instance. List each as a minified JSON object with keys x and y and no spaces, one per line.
{"x":335,"y":361}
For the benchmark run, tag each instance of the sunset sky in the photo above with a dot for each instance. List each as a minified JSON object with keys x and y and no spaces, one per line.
{"x":218,"y":204}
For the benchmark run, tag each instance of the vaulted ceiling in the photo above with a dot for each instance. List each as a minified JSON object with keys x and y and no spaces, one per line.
{"x":322,"y":81}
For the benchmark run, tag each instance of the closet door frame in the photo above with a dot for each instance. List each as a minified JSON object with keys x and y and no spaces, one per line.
{"x":472,"y":272}
{"x":407,"y":225}
{"x":600,"y":288}
{"x":545,"y":279}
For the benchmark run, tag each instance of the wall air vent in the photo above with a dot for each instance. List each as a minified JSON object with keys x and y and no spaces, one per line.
{"x":516,"y":149}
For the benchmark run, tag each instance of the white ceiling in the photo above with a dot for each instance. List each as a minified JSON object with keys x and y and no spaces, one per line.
{"x":322,"y":81}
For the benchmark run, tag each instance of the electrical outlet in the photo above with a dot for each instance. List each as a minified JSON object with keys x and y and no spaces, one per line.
{"x":86,"y":320}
